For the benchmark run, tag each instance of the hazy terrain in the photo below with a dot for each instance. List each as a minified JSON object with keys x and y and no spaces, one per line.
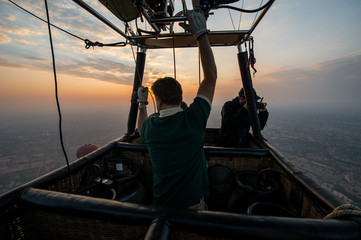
{"x":323,"y":144}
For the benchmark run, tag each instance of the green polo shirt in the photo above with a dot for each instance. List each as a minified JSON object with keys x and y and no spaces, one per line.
{"x":175,"y":144}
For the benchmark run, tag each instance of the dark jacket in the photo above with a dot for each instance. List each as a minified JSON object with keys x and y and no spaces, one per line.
{"x":236,"y":124}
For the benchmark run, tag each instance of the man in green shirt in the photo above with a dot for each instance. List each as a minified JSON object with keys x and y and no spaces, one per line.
{"x":175,"y":137}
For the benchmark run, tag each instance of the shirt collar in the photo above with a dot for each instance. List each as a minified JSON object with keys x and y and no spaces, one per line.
{"x":169,"y":111}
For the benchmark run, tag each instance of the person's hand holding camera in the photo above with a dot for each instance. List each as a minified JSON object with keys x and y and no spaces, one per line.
{"x":261,"y":106}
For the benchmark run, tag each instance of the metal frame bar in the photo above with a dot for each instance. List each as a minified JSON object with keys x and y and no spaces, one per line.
{"x":153,"y":23}
{"x":149,"y":19}
{"x":258,"y":20}
{"x":169,"y":19}
{"x":148,"y":41}
{"x":188,"y":34}
{"x":100,"y":17}
{"x":138,"y":79}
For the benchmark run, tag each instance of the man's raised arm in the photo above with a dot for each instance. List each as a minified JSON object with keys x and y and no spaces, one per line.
{"x":197,"y":26}
{"x":208,"y":84}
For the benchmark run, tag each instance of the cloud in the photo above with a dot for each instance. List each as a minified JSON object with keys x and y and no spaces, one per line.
{"x":94,"y":68}
{"x":5,"y":62}
{"x":334,"y":81}
{"x":35,"y":59}
{"x":77,"y":21}
{"x":19,"y":31}
{"x":100,"y":69}
{"x":4,"y":39}
{"x":11,"y":18}
{"x":26,"y":42}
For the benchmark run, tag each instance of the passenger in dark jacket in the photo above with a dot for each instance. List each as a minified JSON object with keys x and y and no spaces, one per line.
{"x":236,"y":124}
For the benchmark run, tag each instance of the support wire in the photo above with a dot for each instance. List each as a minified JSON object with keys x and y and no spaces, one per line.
{"x":240,"y":16}
{"x":57,"y":97}
{"x":255,"y":17}
{"x":17,"y":5}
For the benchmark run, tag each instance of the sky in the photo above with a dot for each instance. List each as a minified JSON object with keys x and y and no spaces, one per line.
{"x":307,"y":53}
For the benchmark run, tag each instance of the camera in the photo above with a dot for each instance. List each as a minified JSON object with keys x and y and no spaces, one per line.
{"x":260,"y":105}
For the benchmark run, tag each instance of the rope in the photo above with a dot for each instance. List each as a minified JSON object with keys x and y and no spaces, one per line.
{"x":46,"y":21}
{"x":154,"y":106}
{"x":88,"y":43}
{"x":345,"y":210}
{"x":174,"y":62}
{"x":56,"y":96}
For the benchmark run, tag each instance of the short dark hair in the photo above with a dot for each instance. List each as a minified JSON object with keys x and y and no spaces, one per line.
{"x":168,"y":90}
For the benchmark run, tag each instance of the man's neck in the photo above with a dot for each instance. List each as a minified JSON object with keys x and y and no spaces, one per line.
{"x":166,"y":106}
{"x":170,"y":111}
